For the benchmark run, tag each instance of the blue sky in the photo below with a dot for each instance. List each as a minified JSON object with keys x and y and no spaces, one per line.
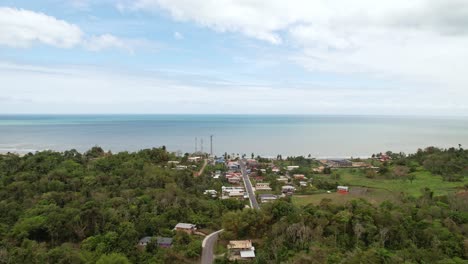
{"x":259,"y":57}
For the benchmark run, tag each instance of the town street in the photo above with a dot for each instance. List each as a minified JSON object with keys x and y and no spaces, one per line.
{"x":248,"y":186}
{"x":208,"y":247}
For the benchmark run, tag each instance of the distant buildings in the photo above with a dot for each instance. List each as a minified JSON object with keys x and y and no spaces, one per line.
{"x":240,"y":249}
{"x":337,"y":163}
{"x":233,"y":192}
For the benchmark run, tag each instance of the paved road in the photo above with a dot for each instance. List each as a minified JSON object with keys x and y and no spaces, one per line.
{"x":248,"y":186}
{"x":208,"y":247}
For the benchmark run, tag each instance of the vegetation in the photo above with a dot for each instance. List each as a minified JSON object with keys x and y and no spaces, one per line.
{"x":93,"y":207}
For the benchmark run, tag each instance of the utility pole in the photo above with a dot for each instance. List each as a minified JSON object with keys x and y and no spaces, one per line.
{"x":211,"y":145}
{"x":196,"y":143}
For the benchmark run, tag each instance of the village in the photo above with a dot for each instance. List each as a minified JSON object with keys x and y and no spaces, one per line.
{"x":269,"y":180}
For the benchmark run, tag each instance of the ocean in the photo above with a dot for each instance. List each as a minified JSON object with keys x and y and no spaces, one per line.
{"x":266,"y":135}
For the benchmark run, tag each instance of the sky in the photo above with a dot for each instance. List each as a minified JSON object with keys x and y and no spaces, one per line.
{"x":387,"y":57}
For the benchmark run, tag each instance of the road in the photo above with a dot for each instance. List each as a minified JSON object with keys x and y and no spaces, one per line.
{"x":208,"y":247}
{"x":248,"y":186}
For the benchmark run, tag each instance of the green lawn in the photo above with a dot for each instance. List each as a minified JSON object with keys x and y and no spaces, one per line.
{"x":374,"y":196}
{"x":379,"y":190}
{"x":423,"y":179}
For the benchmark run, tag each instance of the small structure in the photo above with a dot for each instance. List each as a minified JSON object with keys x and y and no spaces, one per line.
{"x":339,"y":163}
{"x":233,"y":192}
{"x":342,"y":189}
{"x":212,"y":193}
{"x":299,"y":176}
{"x":262,"y":186}
{"x":303,"y":183}
{"x":318,"y":169}
{"x":275,"y":170}
{"x":241,"y":249}
{"x":173,"y":162}
{"x":164,"y":242}
{"x":283,"y":179}
{"x":290,"y":168}
{"x":181,"y":167}
{"x":288,"y":189}
{"x":233,"y":165}
{"x":265,"y":198}
{"x":187,"y":228}
{"x":194,"y":159}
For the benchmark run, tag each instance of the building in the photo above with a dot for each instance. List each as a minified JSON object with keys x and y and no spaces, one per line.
{"x":194,"y":159}
{"x":164,"y":242}
{"x":241,"y":249}
{"x":262,"y":186}
{"x":288,"y":189}
{"x":181,"y":167}
{"x":299,"y":176}
{"x":342,"y":189}
{"x":318,"y":169}
{"x":339,"y":163}
{"x":283,"y":179}
{"x":187,"y":228}
{"x":265,"y":198}
{"x":303,"y":183}
{"x":233,"y":165}
{"x":212,"y":193}
{"x":290,"y":168}
{"x":233,"y":192}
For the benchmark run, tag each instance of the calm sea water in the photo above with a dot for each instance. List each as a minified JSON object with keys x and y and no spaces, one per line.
{"x":320,"y":136}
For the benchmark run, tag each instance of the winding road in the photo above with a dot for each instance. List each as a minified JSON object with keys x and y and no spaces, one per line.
{"x":208,"y":247}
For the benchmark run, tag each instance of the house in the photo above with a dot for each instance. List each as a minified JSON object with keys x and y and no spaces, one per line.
{"x":144,"y":241}
{"x":233,"y":165}
{"x":262,"y":186}
{"x":318,"y":169}
{"x":233,"y":192}
{"x":265,"y":198}
{"x":181,"y":167}
{"x":252,"y":163}
{"x":299,"y":176}
{"x":241,"y":249}
{"x":194,"y":159}
{"x":187,"y":228}
{"x":288,"y":189}
{"x":342,"y":189}
{"x":212,"y":193}
{"x":283,"y":179}
{"x":303,"y":183}
{"x":164,"y":242}
{"x":290,"y":168}
{"x":275,"y":170}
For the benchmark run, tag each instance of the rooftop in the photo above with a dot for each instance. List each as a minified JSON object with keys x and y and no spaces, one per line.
{"x":239,"y":244}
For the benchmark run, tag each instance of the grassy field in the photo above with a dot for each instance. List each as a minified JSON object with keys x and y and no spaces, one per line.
{"x":374,"y":196}
{"x":379,"y":190}
{"x":423,"y":179}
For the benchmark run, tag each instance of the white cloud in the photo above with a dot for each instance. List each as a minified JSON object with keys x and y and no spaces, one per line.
{"x":36,"y":89}
{"x":23,"y":28}
{"x":416,"y":41}
{"x":178,"y":35}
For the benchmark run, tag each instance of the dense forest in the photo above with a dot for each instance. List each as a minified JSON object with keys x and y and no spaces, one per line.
{"x":93,"y":207}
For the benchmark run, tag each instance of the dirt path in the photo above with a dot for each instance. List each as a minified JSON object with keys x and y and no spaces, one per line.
{"x":205,"y":162}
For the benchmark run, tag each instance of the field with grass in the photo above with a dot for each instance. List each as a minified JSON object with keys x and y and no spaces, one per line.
{"x":356,"y":177}
{"x":379,"y":189}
